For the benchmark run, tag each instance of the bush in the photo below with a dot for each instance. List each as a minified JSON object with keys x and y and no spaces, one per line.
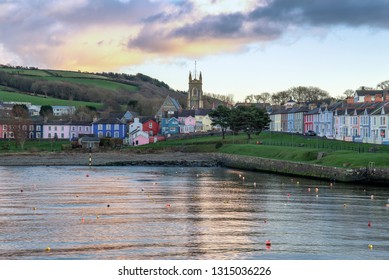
{"x":218,"y":145}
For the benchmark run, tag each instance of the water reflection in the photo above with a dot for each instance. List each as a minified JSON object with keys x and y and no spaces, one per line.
{"x":185,"y":213}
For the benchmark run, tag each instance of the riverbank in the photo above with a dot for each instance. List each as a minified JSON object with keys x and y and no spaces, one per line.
{"x":171,"y":158}
{"x":108,"y":159}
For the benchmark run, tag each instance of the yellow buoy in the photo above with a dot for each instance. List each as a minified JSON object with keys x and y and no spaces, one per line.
{"x":370,"y":246}
{"x":48,"y":249}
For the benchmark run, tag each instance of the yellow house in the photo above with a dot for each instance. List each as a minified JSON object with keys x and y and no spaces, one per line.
{"x":203,"y":121}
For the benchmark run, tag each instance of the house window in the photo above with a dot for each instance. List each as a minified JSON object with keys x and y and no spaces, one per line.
{"x":116,"y":134}
{"x":38,"y":135}
{"x":100,"y":127}
{"x":73,"y":128}
{"x":49,"y":128}
{"x":55,"y":128}
{"x":24,"y":127}
{"x":62,"y":128}
{"x":31,"y":127}
{"x":116,"y":127}
{"x":80,"y":128}
{"x":86,"y":129}
{"x":62,"y":135}
{"x":38,"y":128}
{"x":172,"y":129}
{"x":4,"y":127}
{"x":108,"y":126}
{"x":49,"y":135}
{"x":108,"y":134}
{"x":100,"y":134}
{"x":150,"y":125}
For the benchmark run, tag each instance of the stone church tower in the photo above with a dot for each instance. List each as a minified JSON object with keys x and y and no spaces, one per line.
{"x":195,"y":93}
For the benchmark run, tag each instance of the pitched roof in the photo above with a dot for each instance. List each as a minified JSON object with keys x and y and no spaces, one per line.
{"x":108,"y":121}
{"x":202,"y":112}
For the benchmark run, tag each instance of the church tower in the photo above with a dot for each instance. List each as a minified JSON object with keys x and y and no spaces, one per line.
{"x":195,"y":93}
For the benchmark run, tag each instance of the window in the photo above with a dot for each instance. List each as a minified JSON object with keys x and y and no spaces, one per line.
{"x":49,"y":135}
{"x":55,"y":128}
{"x":24,"y":127}
{"x":49,"y":128}
{"x":108,"y":126}
{"x":86,"y":128}
{"x":116,"y":134}
{"x":38,"y":135}
{"x":108,"y":134}
{"x":100,"y":127}
{"x":31,"y":127}
{"x":80,"y":128}
{"x":38,"y":128}
{"x":100,"y":134}
{"x":116,"y":127}
{"x":62,"y":128}
{"x":73,"y":128}
{"x":62,"y":135}
{"x":4,"y":127}
{"x":150,"y":125}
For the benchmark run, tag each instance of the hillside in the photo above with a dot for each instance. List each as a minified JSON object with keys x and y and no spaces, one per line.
{"x":111,"y":91}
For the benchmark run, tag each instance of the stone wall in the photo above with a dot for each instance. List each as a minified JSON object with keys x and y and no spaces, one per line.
{"x":293,"y":168}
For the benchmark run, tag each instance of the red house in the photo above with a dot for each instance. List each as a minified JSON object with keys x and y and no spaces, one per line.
{"x":149,"y":125}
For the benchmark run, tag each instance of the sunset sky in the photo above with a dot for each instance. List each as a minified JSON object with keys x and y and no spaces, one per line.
{"x":241,"y":47}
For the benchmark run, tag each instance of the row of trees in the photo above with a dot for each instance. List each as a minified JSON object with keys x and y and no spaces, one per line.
{"x":248,"y":119}
{"x":298,"y":94}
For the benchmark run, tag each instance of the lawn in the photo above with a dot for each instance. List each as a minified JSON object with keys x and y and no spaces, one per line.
{"x":100,"y":83}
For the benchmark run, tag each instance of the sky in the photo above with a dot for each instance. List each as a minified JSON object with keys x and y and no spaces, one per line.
{"x":241,"y":47}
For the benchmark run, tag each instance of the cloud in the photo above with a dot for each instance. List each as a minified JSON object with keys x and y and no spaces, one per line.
{"x":266,"y":20}
{"x":114,"y":33}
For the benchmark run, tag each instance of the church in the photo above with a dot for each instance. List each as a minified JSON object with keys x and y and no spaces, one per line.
{"x":195,"y":93}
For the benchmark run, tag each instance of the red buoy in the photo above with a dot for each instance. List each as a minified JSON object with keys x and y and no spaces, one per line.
{"x":268,"y":243}
{"x":369,"y":224}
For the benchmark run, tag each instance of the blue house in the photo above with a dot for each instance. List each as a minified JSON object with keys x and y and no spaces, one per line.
{"x":170,"y":126}
{"x":111,"y":128}
{"x":35,"y":129}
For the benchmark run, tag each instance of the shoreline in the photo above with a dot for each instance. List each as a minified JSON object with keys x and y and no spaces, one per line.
{"x":171,"y":158}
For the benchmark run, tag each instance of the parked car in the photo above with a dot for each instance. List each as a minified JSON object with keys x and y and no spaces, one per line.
{"x":310,"y":133}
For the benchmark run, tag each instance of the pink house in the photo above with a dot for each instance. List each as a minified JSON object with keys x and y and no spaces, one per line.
{"x":187,"y":121}
{"x":65,"y":129}
{"x":56,"y":129}
{"x":139,"y":138}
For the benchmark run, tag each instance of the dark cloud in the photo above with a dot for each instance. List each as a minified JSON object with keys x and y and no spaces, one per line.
{"x":352,"y":13}
{"x":270,"y":21}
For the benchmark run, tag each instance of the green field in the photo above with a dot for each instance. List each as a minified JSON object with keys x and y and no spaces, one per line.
{"x":28,"y":72}
{"x":36,"y":100}
{"x":100,"y":83}
{"x":74,"y":74}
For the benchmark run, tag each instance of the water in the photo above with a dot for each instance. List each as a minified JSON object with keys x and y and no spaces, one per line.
{"x":185,"y":213}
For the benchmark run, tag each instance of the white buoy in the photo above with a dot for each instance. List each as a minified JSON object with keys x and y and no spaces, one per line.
{"x":255,"y":184}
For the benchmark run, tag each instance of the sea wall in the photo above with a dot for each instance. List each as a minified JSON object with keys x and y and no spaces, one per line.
{"x":301,"y":169}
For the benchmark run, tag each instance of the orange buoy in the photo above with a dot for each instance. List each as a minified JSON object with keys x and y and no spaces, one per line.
{"x":316,"y":189}
{"x":167,"y":205}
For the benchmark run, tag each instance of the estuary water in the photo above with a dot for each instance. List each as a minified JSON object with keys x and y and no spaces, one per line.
{"x":144,"y":213}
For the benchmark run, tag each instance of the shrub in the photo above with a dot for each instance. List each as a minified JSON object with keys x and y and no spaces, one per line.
{"x":218,"y":145}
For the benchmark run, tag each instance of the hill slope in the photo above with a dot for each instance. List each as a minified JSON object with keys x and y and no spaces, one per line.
{"x":102,"y":90}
